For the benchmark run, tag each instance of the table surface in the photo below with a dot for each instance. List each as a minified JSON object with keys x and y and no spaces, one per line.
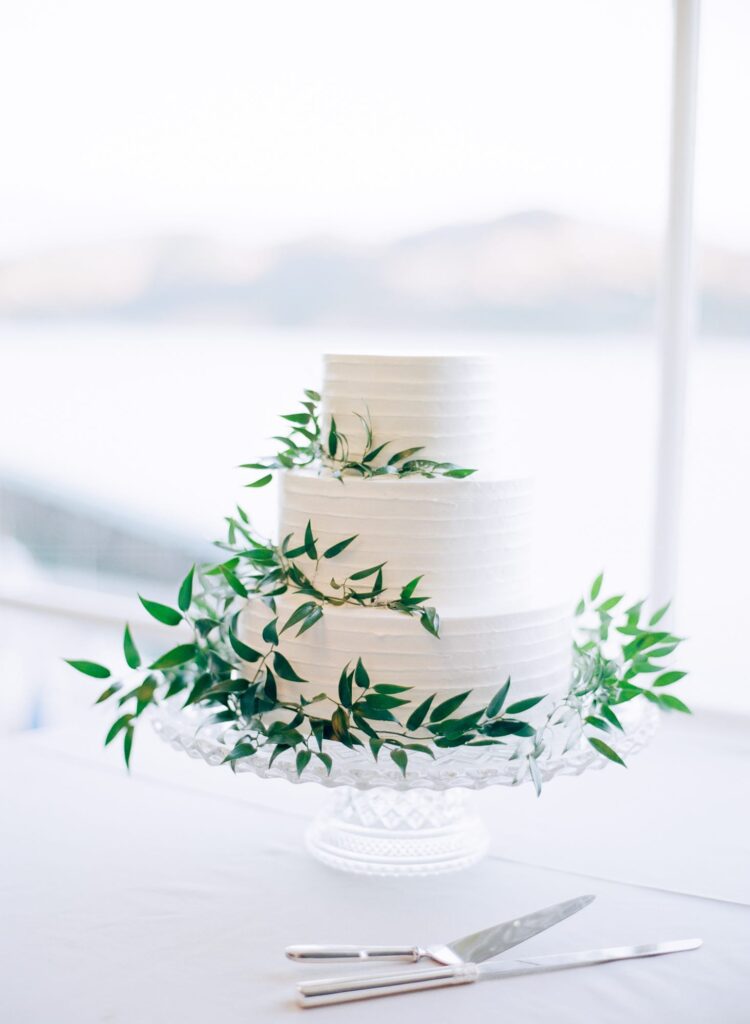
{"x":169,"y":895}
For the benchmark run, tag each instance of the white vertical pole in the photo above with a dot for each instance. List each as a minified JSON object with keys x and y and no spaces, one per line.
{"x":677,"y":301}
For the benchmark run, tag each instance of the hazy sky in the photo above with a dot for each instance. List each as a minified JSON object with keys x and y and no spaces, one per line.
{"x":366,"y":118}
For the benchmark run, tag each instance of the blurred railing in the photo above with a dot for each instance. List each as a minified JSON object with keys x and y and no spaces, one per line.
{"x":42,"y":622}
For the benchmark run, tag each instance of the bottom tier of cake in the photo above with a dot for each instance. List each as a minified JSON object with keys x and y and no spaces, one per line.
{"x":530,"y":644}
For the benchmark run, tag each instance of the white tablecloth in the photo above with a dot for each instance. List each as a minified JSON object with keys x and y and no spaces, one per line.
{"x":169,"y":896}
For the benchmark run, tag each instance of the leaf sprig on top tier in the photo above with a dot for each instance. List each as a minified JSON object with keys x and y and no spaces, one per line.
{"x":307,"y":444}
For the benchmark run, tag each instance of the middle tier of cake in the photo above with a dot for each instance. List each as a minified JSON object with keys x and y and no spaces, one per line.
{"x":469,"y":539}
{"x":532,"y":645}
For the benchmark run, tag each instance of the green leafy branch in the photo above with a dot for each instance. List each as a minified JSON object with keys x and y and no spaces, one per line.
{"x":237,"y":684}
{"x":621,"y":655}
{"x":306,"y":444}
{"x":259,"y":567}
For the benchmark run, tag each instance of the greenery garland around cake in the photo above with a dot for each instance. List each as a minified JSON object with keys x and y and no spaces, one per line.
{"x":619,"y":652}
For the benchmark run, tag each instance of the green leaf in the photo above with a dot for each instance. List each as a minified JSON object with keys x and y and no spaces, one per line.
{"x":339,"y":723}
{"x":596,"y":586}
{"x":161,"y":612}
{"x":418,"y":716}
{"x":345,"y":688}
{"x":400,"y":758}
{"x":607,"y":751}
{"x":607,"y":712}
{"x":364,"y":573}
{"x":666,"y":700}
{"x":507,"y":727}
{"x":405,"y":454}
{"x":659,"y":615}
{"x":132,"y":657}
{"x":382,"y":700}
{"x":269,"y":687}
{"x":333,"y":439}
{"x":361,"y":677}
{"x":375,"y":746}
{"x":454,"y":726}
{"x":270,"y":633}
{"x":219,"y":718}
{"x":278,"y":749}
{"x":261,"y":481}
{"x":495,"y":705}
{"x":459,"y":474}
{"x":109,"y":692}
{"x":200,"y":687}
{"x":303,"y":759}
{"x":448,"y":707}
{"x":411,"y":586}
{"x":315,"y":615}
{"x":430,"y":620}
{"x":610,"y":603}
{"x":668,"y":678}
{"x":118,"y":726}
{"x":371,"y":456}
{"x":375,"y":714}
{"x":598,"y":723}
{"x":313,"y":395}
{"x":90,"y":668}
{"x":310,"y":550}
{"x":326,"y":759}
{"x":300,"y":418}
{"x":177,"y":656}
{"x":246,"y":653}
{"x":580,"y":607}
{"x":185,"y":595}
{"x":243,"y":749}
{"x":362,"y":723}
{"x":284,"y":669}
{"x":523,"y":705}
{"x":336,"y":549}
{"x":127,"y":745}
{"x":299,"y":614}
{"x":390,"y":688}
{"x":421,"y":749}
{"x":237,"y":586}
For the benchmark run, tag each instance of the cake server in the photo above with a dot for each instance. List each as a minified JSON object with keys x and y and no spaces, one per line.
{"x":344,"y":990}
{"x":471,"y":948}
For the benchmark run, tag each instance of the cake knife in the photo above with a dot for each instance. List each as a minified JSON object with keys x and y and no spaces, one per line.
{"x":344,"y":990}
{"x":477,"y":947}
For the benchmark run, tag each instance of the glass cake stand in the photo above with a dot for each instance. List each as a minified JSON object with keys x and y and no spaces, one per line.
{"x":381,"y":822}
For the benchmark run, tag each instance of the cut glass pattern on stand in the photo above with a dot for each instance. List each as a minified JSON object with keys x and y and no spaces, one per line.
{"x":381,"y":822}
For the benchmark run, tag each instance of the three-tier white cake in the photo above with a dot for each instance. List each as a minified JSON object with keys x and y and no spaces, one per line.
{"x":469,"y":539}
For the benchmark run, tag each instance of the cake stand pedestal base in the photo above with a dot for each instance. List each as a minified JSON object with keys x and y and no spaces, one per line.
{"x":384,"y":831}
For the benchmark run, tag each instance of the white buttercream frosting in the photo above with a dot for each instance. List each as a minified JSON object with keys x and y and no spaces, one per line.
{"x":448,"y":404}
{"x":470,"y":539}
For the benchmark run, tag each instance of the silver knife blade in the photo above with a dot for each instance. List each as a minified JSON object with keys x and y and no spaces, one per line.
{"x":559,"y":961}
{"x":488,"y":943}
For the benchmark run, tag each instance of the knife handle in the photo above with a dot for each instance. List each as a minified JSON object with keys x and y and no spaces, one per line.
{"x":345,"y":990}
{"x":352,"y":954}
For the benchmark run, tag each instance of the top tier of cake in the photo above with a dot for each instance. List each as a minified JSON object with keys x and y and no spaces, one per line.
{"x":443,"y":403}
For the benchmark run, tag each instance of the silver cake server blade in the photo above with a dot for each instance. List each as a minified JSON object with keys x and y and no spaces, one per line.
{"x":475,"y":948}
